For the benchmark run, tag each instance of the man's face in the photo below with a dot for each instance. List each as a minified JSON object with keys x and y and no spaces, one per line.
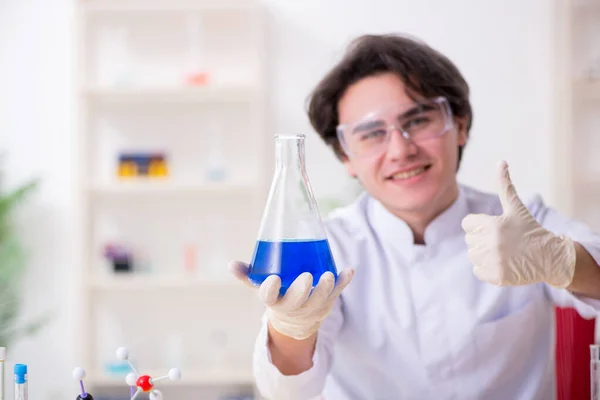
{"x":406,"y":176}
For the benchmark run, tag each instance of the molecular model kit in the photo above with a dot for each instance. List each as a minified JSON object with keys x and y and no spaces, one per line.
{"x":137,"y":383}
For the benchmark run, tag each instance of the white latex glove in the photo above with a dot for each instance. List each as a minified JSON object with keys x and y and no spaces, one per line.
{"x":297,"y":314}
{"x":513,"y":248}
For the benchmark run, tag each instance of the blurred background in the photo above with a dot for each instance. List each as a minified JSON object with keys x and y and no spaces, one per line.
{"x":148,"y":128}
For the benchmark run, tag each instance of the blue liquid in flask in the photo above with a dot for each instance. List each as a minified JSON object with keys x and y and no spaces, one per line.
{"x":290,"y":258}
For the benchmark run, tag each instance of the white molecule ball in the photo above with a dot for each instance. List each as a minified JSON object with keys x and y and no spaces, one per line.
{"x":131,"y":379}
{"x":174,"y":374}
{"x":156,"y":395}
{"x":78,"y":373}
{"x":122,"y":353}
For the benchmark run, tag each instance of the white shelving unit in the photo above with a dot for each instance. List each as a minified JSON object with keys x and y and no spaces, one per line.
{"x":577,"y":124}
{"x":184,"y":78}
{"x":578,"y":107}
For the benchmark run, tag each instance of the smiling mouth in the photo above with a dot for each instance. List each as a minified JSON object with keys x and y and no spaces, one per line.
{"x":400,"y":176}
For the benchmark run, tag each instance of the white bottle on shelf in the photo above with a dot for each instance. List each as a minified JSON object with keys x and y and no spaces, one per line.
{"x":216,"y":169}
{"x":116,"y":54}
{"x":195,"y":73}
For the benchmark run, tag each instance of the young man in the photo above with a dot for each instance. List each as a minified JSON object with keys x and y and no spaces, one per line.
{"x":452,"y":289}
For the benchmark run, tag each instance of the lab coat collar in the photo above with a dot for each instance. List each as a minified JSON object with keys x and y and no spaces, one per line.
{"x":397,"y":232}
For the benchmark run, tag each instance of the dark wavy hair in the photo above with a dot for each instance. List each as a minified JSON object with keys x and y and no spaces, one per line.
{"x":426,"y":73}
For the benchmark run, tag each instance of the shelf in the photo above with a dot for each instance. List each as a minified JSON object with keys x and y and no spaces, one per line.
{"x":189,"y":378}
{"x":133,"y":113}
{"x":147,"y":282}
{"x":229,"y":93}
{"x":99,"y":6}
{"x":154,"y":188}
{"x":588,"y":89}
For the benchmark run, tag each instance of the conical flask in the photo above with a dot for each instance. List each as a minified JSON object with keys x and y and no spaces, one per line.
{"x":291,"y":238}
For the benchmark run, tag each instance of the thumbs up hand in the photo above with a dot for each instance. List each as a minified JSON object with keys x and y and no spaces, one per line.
{"x":513,"y":248}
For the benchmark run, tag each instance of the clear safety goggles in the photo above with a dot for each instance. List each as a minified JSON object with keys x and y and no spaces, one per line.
{"x":417,"y":122}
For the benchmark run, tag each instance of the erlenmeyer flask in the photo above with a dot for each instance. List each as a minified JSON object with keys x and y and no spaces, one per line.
{"x":291,"y":238}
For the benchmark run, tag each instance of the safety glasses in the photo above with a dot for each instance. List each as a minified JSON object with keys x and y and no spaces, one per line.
{"x":418,"y":122}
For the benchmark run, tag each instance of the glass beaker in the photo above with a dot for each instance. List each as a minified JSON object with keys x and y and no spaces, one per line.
{"x":595,"y":372}
{"x":291,"y":238}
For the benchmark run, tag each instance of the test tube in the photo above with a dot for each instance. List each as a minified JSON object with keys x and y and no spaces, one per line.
{"x":595,"y":371}
{"x":2,"y":364}
{"x":20,"y":371}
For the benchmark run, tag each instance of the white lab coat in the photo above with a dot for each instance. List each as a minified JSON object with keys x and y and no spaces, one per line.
{"x":415,"y":323}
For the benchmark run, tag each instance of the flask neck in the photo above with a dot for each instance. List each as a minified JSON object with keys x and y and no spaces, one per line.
{"x":290,"y":152}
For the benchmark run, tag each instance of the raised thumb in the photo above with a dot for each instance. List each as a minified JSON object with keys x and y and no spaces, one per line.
{"x":508,"y":194}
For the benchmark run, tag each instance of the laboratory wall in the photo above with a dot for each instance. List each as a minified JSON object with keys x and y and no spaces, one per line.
{"x":504,"y":48}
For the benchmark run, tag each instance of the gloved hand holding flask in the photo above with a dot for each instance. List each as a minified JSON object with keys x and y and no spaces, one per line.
{"x":292,"y":261}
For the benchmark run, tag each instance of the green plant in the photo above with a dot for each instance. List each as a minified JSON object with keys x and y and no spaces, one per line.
{"x":13,"y":262}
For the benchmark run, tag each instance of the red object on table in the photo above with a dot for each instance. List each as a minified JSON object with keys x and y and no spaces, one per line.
{"x":573,"y":338}
{"x":144,"y":382}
